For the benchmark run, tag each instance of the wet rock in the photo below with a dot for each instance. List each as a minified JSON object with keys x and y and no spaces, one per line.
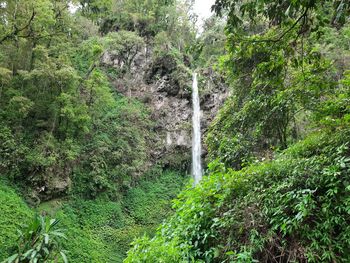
{"x":159,"y":68}
{"x":51,"y":183}
{"x":168,"y":95}
{"x":169,"y":86}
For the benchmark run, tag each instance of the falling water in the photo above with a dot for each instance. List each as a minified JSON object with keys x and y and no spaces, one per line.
{"x":196,"y":137}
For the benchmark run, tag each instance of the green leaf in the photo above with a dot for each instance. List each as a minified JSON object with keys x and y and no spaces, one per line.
{"x":12,"y":258}
{"x":64,"y":257}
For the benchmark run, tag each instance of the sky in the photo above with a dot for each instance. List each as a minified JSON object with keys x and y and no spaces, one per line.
{"x":202,"y":9}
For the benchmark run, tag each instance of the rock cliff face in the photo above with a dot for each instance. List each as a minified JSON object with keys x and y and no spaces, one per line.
{"x":166,"y":88}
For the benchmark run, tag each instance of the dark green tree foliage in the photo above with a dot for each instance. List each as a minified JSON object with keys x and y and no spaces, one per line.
{"x":95,"y":10}
{"x":277,"y":73}
{"x":40,"y":100}
{"x":55,"y":97}
{"x":124,"y":45}
{"x":210,"y":44}
{"x":278,"y":12}
{"x":145,"y":17}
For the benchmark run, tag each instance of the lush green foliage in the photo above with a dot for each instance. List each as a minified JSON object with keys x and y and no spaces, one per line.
{"x":101,"y":230}
{"x":40,"y":241}
{"x":293,"y":208}
{"x":14,"y":213}
{"x":279,"y":74}
{"x":210,"y":45}
{"x":68,"y":140}
{"x":60,"y":116}
{"x":97,"y":230}
{"x":279,"y":12}
{"x":289,"y":104}
{"x":81,"y":152}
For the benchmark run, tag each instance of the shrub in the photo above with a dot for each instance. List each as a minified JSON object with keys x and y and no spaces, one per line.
{"x":40,"y":241}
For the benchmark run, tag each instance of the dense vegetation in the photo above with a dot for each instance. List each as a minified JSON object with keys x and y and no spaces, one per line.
{"x":74,"y":148}
{"x":277,"y":187}
{"x":98,"y":230}
{"x":71,"y":145}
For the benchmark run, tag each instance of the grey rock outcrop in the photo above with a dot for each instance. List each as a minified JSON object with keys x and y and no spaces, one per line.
{"x":157,"y":84}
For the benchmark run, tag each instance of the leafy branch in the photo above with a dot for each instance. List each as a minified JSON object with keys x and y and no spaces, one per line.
{"x":18,"y":30}
{"x":281,"y":36}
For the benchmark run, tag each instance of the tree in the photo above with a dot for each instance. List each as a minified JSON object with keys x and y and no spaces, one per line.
{"x":124,"y":46}
{"x":275,"y":71}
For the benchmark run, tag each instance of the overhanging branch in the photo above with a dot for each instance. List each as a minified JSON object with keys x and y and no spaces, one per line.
{"x":18,"y":30}
{"x":280,"y":37}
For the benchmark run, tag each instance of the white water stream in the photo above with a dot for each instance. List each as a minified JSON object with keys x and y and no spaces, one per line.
{"x":196,"y":135}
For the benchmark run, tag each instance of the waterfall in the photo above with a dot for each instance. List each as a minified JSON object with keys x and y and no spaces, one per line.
{"x":196,"y":135}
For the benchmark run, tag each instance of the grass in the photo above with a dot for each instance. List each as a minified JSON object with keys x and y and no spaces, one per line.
{"x":14,"y":213}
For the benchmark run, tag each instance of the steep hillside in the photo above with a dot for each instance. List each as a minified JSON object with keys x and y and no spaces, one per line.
{"x":14,"y":213}
{"x":295,"y":208}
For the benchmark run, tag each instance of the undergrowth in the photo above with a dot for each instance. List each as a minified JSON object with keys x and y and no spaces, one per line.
{"x":295,"y":208}
{"x":97,"y":230}
{"x":13,"y":214}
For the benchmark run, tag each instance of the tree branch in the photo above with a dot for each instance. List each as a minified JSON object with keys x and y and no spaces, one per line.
{"x":283,"y":34}
{"x":17,"y":30}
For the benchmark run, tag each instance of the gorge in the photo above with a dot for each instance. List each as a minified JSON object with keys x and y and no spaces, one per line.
{"x":111,"y":111}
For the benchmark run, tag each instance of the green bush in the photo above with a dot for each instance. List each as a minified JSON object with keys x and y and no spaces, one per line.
{"x":82,"y":241}
{"x":40,"y":241}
